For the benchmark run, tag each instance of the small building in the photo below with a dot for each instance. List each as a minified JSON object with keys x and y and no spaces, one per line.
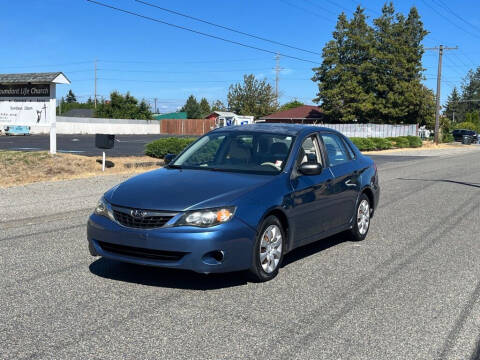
{"x":227,"y":118}
{"x":305,"y":114}
{"x":173,"y":115}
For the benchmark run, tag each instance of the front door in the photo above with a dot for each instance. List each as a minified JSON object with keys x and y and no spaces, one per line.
{"x":310,"y":195}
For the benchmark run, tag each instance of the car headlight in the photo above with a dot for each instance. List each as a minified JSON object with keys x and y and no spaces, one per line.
{"x":206,"y":217}
{"x":102,"y":208}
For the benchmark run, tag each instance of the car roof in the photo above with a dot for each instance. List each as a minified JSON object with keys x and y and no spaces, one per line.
{"x":277,"y":128}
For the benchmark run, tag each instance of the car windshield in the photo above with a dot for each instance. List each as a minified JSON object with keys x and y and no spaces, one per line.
{"x":251,"y":152}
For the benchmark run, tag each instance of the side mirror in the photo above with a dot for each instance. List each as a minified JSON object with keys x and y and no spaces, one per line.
{"x":310,"y":168}
{"x":168,"y":158}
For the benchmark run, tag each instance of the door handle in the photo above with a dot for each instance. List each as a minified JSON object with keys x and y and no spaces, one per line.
{"x":349,"y":183}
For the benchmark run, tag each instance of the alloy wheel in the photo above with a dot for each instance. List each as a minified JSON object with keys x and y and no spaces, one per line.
{"x":271,"y":248}
{"x":363,"y":217}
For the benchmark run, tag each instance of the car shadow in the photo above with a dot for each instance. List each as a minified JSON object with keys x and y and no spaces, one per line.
{"x":445,"y":181}
{"x":314,"y":248}
{"x":189,"y":280}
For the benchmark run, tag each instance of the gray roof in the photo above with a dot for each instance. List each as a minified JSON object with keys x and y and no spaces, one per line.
{"x":278,"y":128}
{"x":47,"y":77}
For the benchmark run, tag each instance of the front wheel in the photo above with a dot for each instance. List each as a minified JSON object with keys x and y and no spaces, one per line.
{"x":268,"y":250}
{"x":361,"y":221}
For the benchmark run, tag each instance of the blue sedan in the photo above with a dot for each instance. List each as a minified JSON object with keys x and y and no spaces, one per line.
{"x":239,"y":198}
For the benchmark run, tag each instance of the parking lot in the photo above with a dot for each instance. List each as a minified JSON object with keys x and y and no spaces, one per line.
{"x":411,"y":290}
{"x":125,"y":145}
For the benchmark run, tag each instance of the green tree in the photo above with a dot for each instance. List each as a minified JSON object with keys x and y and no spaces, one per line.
{"x":252,"y":97}
{"x":204,"y":108}
{"x":374,"y":73}
{"x":453,"y":105}
{"x":398,"y":67}
{"x":70,"y":98}
{"x":218,"y":105}
{"x":291,"y":105}
{"x":345,"y":91}
{"x":192,"y":108}
{"x":123,"y":107}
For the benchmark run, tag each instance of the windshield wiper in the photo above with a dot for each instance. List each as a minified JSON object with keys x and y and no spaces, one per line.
{"x":173,"y":166}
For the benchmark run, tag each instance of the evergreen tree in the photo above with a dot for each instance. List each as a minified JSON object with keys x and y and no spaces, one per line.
{"x":253,"y":97}
{"x":218,"y":105}
{"x":70,"y":98}
{"x":343,"y":77}
{"x":192,"y":108}
{"x":374,"y":74}
{"x":205,"y":109}
{"x":470,"y":92}
{"x":453,"y":106}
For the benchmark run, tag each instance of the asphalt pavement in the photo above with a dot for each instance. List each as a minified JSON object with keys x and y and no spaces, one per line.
{"x":125,"y":145}
{"x":411,"y":290}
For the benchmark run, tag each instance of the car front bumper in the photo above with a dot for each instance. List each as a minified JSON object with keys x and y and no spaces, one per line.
{"x":183,"y":247}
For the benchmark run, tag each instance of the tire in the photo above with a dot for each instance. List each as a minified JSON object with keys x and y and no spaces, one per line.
{"x":361,"y":220}
{"x":268,"y":243}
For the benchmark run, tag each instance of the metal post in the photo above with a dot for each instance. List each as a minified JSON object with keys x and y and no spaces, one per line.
{"x":103,"y":161}
{"x":95,"y":95}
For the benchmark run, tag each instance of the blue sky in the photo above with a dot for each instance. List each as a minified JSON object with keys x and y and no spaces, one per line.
{"x":153,"y":60}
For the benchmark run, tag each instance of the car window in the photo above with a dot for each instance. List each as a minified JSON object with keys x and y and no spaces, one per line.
{"x":252,"y":152}
{"x":309,"y":151}
{"x":337,"y":154}
{"x":349,"y":149}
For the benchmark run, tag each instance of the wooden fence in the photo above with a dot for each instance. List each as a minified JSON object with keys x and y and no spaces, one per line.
{"x":186,"y":126}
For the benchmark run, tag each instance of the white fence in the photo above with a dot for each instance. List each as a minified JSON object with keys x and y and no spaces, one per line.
{"x":74,"y":125}
{"x":374,"y":130}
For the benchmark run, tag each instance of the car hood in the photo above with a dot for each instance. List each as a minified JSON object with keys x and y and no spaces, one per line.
{"x":182,"y":189}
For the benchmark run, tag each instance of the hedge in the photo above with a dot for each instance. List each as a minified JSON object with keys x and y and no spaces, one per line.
{"x":172,"y":145}
{"x":366,"y":144}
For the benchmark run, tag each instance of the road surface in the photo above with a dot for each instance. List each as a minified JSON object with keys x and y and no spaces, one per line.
{"x":411,"y":290}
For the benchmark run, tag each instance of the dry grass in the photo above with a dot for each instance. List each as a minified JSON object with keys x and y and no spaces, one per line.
{"x":18,"y":168}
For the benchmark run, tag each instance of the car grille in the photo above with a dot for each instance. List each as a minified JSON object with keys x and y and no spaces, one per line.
{"x":141,"y":252}
{"x":147,"y":222}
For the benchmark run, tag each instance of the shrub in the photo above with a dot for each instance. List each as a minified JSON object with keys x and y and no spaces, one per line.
{"x":414,"y":141}
{"x":381,"y":143}
{"x":446,"y":138}
{"x":172,"y":145}
{"x":401,"y":142}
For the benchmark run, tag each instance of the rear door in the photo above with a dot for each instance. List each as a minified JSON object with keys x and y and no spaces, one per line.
{"x":346,"y":178}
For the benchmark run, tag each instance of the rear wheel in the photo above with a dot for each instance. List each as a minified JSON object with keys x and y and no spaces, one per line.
{"x":268,"y":250}
{"x":361,"y":223}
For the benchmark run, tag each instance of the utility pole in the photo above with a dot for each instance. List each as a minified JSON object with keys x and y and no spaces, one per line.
{"x":155,"y":109}
{"x":277,"y":74}
{"x":440,"y":49}
{"x":95,"y":91}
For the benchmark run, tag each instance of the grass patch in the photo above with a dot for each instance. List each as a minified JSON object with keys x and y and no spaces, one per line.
{"x":19,"y":168}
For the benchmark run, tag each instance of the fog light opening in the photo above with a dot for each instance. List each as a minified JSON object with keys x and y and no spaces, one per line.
{"x":213,"y":257}
{"x":218,"y":255}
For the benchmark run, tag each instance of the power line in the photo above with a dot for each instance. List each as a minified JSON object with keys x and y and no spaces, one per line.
{"x":446,"y":7}
{"x":182,"y":62}
{"x":308,"y":11}
{"x":450,"y":21}
{"x":226,"y":28}
{"x":198,"y":32}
